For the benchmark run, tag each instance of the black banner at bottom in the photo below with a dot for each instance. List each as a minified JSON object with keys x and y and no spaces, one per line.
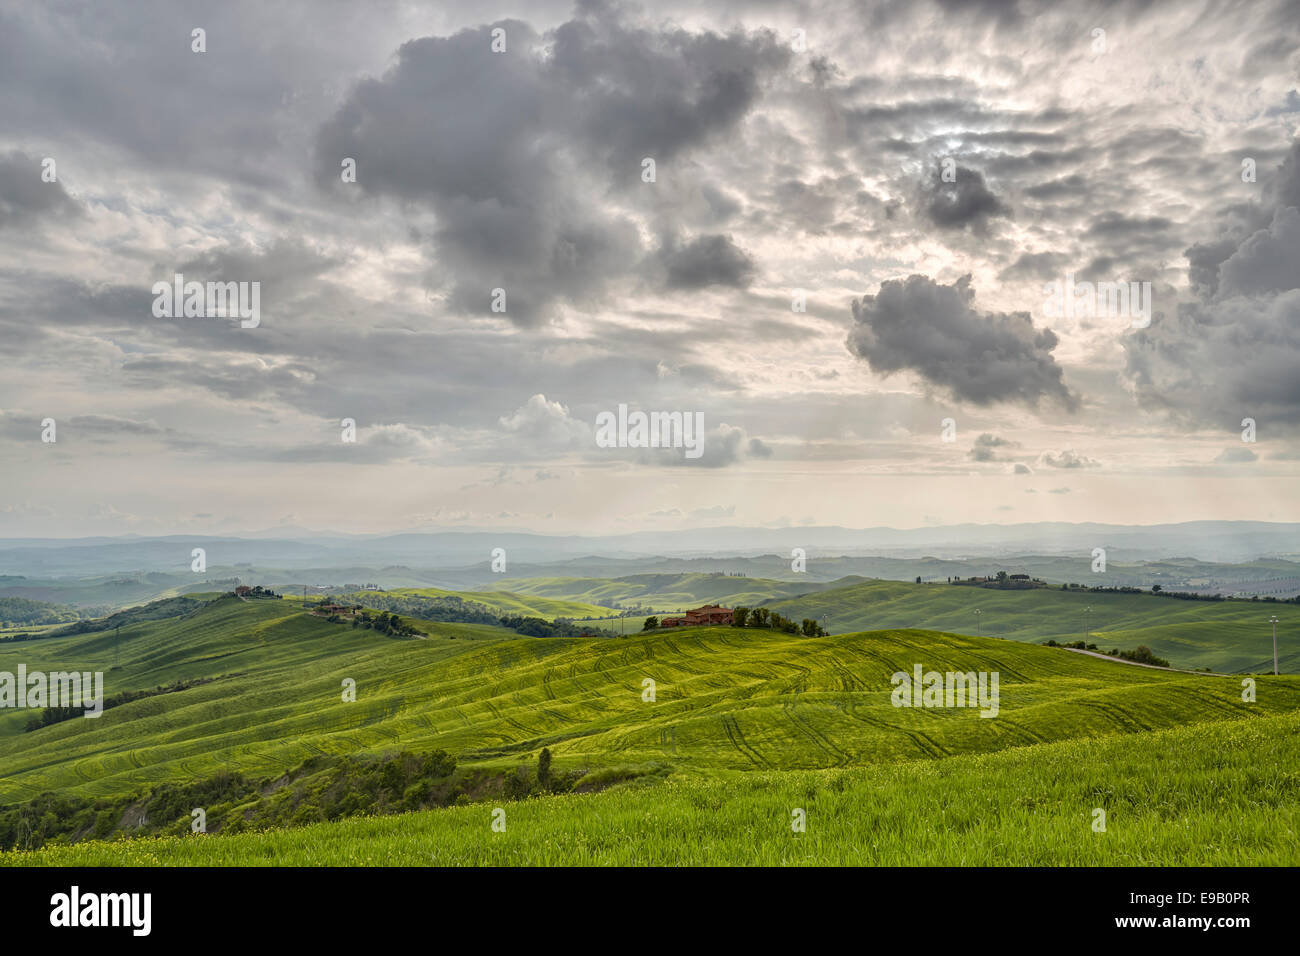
{"x":1221,"y":907}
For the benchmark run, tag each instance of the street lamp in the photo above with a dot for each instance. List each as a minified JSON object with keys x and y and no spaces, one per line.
{"x":978,"y":632}
{"x":1273,"y":620}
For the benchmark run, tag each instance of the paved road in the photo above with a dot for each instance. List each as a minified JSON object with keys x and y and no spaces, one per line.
{"x":1154,"y":667}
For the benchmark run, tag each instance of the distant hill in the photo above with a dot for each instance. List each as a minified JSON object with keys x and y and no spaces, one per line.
{"x":1216,"y":541}
{"x":666,"y":592}
{"x":1226,"y":636}
{"x":19,"y":612}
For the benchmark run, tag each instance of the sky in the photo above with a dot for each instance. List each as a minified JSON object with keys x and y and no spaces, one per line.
{"x":833,"y":230}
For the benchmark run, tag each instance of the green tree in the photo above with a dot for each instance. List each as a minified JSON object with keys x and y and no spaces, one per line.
{"x":739,"y":616}
{"x":650,"y":624}
{"x":544,"y":768}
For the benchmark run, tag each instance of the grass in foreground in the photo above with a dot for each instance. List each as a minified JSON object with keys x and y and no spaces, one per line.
{"x":1222,"y":794}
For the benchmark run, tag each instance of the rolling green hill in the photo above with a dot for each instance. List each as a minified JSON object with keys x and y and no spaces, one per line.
{"x":669,"y":592}
{"x":1210,"y":794}
{"x":726,"y":699}
{"x":510,"y":602}
{"x":1226,"y":636}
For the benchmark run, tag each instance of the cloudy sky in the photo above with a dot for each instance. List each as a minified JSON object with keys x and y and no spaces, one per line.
{"x":916,"y":173}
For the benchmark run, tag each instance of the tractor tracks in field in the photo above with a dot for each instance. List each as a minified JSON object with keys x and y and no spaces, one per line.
{"x":816,"y":736}
{"x":732,"y":728}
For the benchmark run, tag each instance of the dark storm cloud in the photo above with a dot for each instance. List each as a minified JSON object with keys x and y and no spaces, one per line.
{"x":965,"y":202}
{"x":706,"y":261}
{"x":26,"y":198}
{"x":981,"y":357}
{"x":1232,"y":353}
{"x":655,"y":92}
{"x":516,"y":152}
{"x":1267,"y":261}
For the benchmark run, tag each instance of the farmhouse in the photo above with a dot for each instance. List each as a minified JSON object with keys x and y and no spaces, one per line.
{"x":701,"y":616}
{"x":338,"y":608}
{"x":243,"y":590}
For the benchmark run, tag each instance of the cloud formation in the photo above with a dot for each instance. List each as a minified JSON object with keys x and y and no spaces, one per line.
{"x":932,"y":329}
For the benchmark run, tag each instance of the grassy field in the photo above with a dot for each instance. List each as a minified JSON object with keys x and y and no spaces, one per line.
{"x":726,"y":699}
{"x":667,"y":592}
{"x":1223,"y":794}
{"x":1225,"y":636}
{"x":744,"y":725}
{"x":511,"y":603}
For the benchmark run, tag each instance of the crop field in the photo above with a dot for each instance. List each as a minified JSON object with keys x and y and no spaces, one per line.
{"x":668,"y":592}
{"x":1223,"y":636}
{"x":723,"y":725}
{"x":1208,"y":794}
{"x":511,"y":603}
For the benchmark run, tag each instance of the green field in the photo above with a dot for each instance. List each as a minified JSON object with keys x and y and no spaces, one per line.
{"x":668,"y":592}
{"x":1224,"y":636}
{"x":1222,"y":794}
{"x":511,"y":603}
{"x":751,"y":718}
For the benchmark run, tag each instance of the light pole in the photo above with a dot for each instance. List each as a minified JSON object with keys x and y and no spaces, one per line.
{"x":1273,"y":620}
{"x":1087,"y":620}
{"x":978,"y":632}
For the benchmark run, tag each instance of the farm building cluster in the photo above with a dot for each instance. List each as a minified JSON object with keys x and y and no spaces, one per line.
{"x":700,"y":616}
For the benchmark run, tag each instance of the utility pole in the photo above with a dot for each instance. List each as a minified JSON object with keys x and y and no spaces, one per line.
{"x":117,"y":645}
{"x":1273,"y":620}
{"x":978,"y":632}
{"x":1087,"y":620}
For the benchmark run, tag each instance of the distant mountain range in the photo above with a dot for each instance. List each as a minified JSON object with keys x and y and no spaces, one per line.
{"x":1222,"y":541}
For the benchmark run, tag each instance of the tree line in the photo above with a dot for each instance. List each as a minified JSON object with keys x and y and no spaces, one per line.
{"x":762,"y":617}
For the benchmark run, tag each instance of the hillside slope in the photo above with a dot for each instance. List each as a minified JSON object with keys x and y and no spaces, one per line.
{"x":1226,"y":636}
{"x":670,"y":591}
{"x":725,"y":699}
{"x":1211,"y":794}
